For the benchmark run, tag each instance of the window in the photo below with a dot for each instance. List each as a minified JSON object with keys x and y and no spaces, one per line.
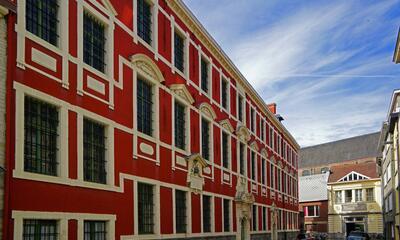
{"x":262,"y":130}
{"x":263,"y":167}
{"x":370,"y":194}
{"x":227,"y":213}
{"x":272,"y":175}
{"x":240,"y":108}
{"x":324,"y":170}
{"x":271,"y":138}
{"x":253,"y":165}
{"x":93,"y":42}
{"x":242,"y":153}
{"x":206,"y":213}
{"x":225,"y":150}
{"x":40,"y":229}
{"x":145,"y":208}
{"x":144,"y":107}
{"x":224,"y":93}
{"x":205,"y":139}
{"x":180,"y":125}
{"x":254,"y":218}
{"x":348,"y":196}
{"x":179,"y":51}
{"x":95,"y":230}
{"x":279,"y":179}
{"x":311,"y":211}
{"x":252,"y":119}
{"x":358,"y":193}
{"x":41,"y":135}
{"x":144,"y":21}
{"x":94,"y":157}
{"x":264,"y":218}
{"x":204,"y":75}
{"x":42,"y":19}
{"x":180,"y":211}
{"x":338,"y":196}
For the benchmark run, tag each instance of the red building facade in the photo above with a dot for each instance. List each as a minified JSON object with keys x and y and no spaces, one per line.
{"x":127,"y":121}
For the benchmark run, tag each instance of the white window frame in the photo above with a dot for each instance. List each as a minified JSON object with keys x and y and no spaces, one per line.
{"x":212,"y":215}
{"x":244,"y":156}
{"x":230,"y":215}
{"x":223,"y":78}
{"x":109,"y":152}
{"x":263,"y":168}
{"x":62,"y":154}
{"x":211,"y":140}
{"x":314,"y":207}
{"x":253,"y":166}
{"x":154,"y":26}
{"x":243,"y":104}
{"x":178,"y":99}
{"x":229,"y":149}
{"x":188,"y":211}
{"x":210,"y":77}
{"x":185,"y":35}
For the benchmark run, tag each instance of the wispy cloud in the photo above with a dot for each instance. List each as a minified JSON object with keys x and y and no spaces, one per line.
{"x":326,"y":64}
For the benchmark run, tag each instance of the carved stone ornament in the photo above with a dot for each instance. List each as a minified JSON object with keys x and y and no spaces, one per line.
{"x":242,"y":194}
{"x":182,"y":92}
{"x":147,"y":67}
{"x":264,"y":153}
{"x":207,"y":110}
{"x":243,"y":133}
{"x":195,"y":178}
{"x":227,"y":125}
{"x":254,"y":146}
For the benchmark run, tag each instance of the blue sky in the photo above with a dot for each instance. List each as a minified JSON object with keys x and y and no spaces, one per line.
{"x":327,"y":64}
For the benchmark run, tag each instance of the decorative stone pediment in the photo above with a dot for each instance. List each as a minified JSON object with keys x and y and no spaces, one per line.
{"x":243,"y":133}
{"x":254,"y":146}
{"x":182,"y":92}
{"x":286,"y":169}
{"x":264,"y":153}
{"x":147,"y":67}
{"x":207,"y":110}
{"x":280,"y":164}
{"x":195,"y":179}
{"x":227,"y":125}
{"x":109,"y":7}
{"x":273,"y":160}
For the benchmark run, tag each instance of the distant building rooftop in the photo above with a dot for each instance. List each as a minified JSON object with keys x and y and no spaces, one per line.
{"x":313,"y":187}
{"x":367,"y":169}
{"x":359,"y":147}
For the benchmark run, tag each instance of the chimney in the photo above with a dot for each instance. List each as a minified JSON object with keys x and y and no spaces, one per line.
{"x":272,"y":107}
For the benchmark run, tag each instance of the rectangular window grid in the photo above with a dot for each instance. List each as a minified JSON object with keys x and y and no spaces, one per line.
{"x":264,"y":218}
{"x":40,"y":139}
{"x":227,"y":219}
{"x":254,"y":218}
{"x":205,"y":139}
{"x":180,"y":125}
{"x":180,"y":211}
{"x":224,"y":94}
{"x":263,"y":167}
{"x":35,"y":229}
{"x":241,"y":158}
{"x":94,"y":152}
{"x":225,"y":149}
{"x":204,"y":75}
{"x":94,"y":42}
{"x":253,"y":165}
{"x":145,"y":208}
{"x":370,"y":194}
{"x":252,"y":119}
{"x":240,"y":108}
{"x":206,"y":213}
{"x":95,"y":230}
{"x":179,"y":52}
{"x":42,"y":19}
{"x":144,"y":107}
{"x":144,"y":21}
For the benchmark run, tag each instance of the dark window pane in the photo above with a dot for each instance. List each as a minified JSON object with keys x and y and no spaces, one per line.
{"x":206,"y":213}
{"x":240,"y":108}
{"x":224,"y":95}
{"x":253,"y":166}
{"x":227,"y":219}
{"x":179,"y":44}
{"x":241,"y":158}
{"x":263,"y":172}
{"x":254,"y":219}
{"x":225,"y":149}
{"x":252,"y":119}
{"x":180,"y":125}
{"x":145,"y":208}
{"x":35,"y":229}
{"x":144,"y":107}
{"x":144,"y":20}
{"x":42,"y":19}
{"x":40,"y":139}
{"x":204,"y":75}
{"x":93,"y":42}
{"x":180,"y":208}
{"x":94,"y":152}
{"x":95,"y":230}
{"x":205,"y":139}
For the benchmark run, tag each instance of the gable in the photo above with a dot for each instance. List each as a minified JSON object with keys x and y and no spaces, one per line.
{"x":353,"y":176}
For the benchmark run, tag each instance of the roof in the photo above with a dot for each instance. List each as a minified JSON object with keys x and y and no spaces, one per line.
{"x":396,"y":55}
{"x":313,"y":187}
{"x":367,"y":169}
{"x":359,"y":147}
